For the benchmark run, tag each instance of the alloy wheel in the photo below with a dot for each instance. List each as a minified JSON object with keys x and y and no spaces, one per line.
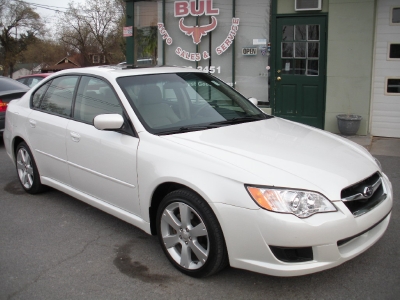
{"x":24,"y":168}
{"x":185,"y":235}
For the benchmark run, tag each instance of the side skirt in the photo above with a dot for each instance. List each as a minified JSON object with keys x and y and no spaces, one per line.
{"x":104,"y":206}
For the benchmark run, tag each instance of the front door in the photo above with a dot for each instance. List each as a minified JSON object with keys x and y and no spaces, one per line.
{"x":300,"y":69}
{"x":101,"y":163}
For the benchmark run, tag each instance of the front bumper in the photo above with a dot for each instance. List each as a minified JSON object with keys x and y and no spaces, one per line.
{"x":250,"y":233}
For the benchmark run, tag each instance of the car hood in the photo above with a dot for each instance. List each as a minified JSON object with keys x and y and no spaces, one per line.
{"x":285,"y":154}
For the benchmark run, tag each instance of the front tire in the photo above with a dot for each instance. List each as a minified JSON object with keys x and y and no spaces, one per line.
{"x":27,"y":171}
{"x":190,"y":235}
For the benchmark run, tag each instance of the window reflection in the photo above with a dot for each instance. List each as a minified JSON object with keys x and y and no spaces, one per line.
{"x":300,"y":33}
{"x":146,"y":33}
{"x":313,"y":50}
{"x":308,"y":50}
{"x":300,"y":49}
{"x":300,"y":67}
{"x":312,"y":68}
{"x":313,"y":32}
{"x":287,"y":33}
{"x":287,"y":49}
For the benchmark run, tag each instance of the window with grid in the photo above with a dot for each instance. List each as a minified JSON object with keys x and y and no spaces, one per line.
{"x":300,"y":50}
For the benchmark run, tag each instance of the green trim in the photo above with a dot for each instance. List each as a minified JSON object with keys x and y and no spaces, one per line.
{"x":233,"y":47}
{"x":163,"y":43}
{"x":130,"y":42}
{"x":197,"y":24}
{"x":272,"y":40}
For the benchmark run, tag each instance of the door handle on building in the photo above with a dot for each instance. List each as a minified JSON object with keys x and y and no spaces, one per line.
{"x":278,"y":78}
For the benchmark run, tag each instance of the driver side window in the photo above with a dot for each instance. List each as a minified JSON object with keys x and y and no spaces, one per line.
{"x":95,"y":97}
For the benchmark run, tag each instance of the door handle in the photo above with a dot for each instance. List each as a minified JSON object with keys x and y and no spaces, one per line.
{"x":278,"y":78}
{"x":32,"y":123}
{"x":75,"y":137}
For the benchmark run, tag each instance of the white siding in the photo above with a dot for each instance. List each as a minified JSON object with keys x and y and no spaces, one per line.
{"x":385,"y":120}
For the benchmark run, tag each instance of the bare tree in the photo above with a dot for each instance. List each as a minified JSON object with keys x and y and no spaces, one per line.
{"x":16,"y":16}
{"x":93,"y":27}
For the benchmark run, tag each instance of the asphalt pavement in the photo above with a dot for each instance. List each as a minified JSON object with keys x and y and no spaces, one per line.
{"x":53,"y":246}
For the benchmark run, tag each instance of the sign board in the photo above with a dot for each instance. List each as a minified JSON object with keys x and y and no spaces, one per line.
{"x":249,"y":51}
{"x":259,"y":41}
{"x":128,"y":31}
{"x":200,"y":9}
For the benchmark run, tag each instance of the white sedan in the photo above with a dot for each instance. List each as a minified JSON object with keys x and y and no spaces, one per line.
{"x":180,"y":154}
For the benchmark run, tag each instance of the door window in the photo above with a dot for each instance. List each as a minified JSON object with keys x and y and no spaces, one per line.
{"x":95,"y":97}
{"x":58,"y":97}
{"x":300,"y":49}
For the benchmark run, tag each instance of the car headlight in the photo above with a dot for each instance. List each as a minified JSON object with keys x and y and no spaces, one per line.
{"x":300,"y":203}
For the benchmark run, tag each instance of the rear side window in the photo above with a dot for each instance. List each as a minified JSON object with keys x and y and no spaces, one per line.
{"x":38,"y":95}
{"x":58,"y":97}
{"x":95,"y":97}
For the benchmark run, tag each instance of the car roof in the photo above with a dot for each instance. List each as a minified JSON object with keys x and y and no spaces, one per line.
{"x":36,"y":75}
{"x":123,"y":71}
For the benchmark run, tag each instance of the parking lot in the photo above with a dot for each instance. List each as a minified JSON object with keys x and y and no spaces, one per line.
{"x":56,"y":247}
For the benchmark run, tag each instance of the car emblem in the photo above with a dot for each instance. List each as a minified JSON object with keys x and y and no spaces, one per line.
{"x":368,"y":191}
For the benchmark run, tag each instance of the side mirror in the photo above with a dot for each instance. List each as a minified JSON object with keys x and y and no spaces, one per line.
{"x":253,"y":100}
{"x":108,"y":122}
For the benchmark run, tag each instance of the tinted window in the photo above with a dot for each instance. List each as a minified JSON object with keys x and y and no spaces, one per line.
{"x":394,"y":51}
{"x":393,"y":86}
{"x":95,"y":97}
{"x":38,"y":95}
{"x":58,"y":98}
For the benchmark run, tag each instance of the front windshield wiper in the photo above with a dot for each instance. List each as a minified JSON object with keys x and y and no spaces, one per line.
{"x":238,"y":120}
{"x":187,"y":129}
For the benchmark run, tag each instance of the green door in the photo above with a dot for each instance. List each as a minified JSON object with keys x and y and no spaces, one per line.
{"x":300,"y":69}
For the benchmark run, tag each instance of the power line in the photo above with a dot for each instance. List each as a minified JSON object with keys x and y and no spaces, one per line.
{"x":44,"y":5}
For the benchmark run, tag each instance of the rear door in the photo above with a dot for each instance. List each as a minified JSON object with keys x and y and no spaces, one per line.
{"x":46,"y":126}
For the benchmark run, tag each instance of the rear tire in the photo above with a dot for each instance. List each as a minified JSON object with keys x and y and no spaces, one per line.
{"x":190,"y":235}
{"x":27,"y":170}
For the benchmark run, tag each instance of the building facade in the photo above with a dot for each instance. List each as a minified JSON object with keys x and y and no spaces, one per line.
{"x":303,"y":60}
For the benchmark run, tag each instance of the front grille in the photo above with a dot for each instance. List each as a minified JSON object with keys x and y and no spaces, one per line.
{"x":364,"y":195}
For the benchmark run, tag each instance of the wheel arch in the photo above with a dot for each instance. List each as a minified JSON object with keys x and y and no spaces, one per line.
{"x":16,"y":141}
{"x":160,"y":192}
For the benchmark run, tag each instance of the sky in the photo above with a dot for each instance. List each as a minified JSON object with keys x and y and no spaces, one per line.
{"x":48,"y":8}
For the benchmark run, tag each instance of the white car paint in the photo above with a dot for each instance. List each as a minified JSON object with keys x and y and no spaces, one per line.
{"x":119,"y":174}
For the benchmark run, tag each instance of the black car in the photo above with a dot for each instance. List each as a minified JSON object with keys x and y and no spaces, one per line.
{"x":10,"y":89}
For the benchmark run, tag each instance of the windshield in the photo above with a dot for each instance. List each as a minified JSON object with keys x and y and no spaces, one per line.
{"x":181,"y":102}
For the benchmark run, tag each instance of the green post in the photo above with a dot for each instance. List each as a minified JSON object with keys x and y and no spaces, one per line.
{"x":130,"y":48}
{"x":233,"y":48}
